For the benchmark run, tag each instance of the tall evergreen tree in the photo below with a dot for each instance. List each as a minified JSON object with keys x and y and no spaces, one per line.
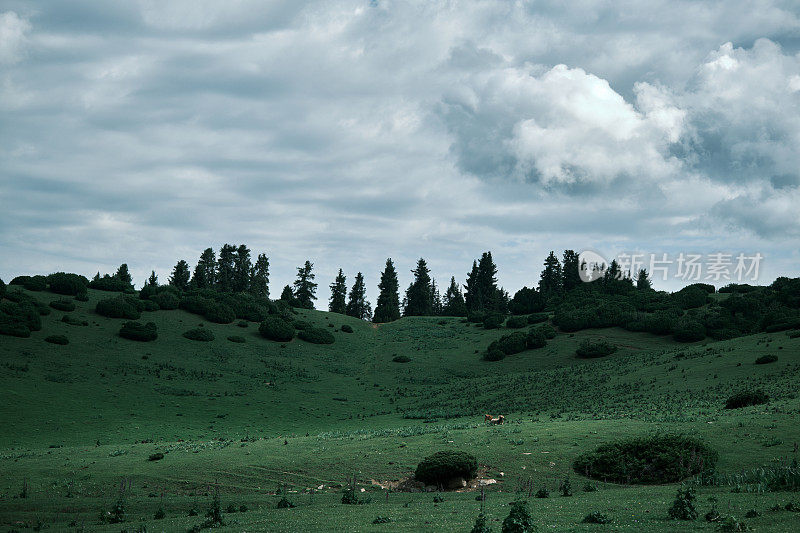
{"x":473,"y":298}
{"x":205,"y":272}
{"x":304,"y":287}
{"x":570,"y":271}
{"x":225,"y":268}
{"x":551,"y":277}
{"x":242,"y":268}
{"x":453,"y":304}
{"x":124,"y":276}
{"x":419,"y":295}
{"x":387,"y":307}
{"x":180,"y":276}
{"x":152,"y":281}
{"x":338,"y":301}
{"x":643,"y":282}
{"x":357,"y":304}
{"x":287,"y":295}
{"x":492,"y":298}
{"x":259,"y":277}
{"x":436,"y":299}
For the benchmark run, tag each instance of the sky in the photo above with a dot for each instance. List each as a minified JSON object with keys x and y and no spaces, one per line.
{"x":346,"y":132}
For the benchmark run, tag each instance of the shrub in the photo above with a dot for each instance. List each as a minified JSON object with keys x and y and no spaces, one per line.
{"x":195,"y":304}
{"x":476,"y":317}
{"x":301,"y":325}
{"x":347,"y":328}
{"x":276,"y":328}
{"x":14,"y":330}
{"x":109,"y":283}
{"x":401,"y":359}
{"x":542,"y":493}
{"x":535,"y":339}
{"x":149,"y":306}
{"x":519,"y":519}
{"x":236,"y":338}
{"x":136,"y":331}
{"x":596,"y":518}
{"x":566,"y":487}
{"x":57,"y":339}
{"x":118,"y":307}
{"x":67,"y":319}
{"x":316,"y":336}
{"x":30,"y":283}
{"x":443,"y":466}
{"x":683,"y":506}
{"x":548,"y":331}
{"x":589,"y":349}
{"x":382,"y":520}
{"x":199,"y":334}
{"x":653,"y":459}
{"x":746,"y":399}
{"x":155,"y":456}
{"x":689,"y":330}
{"x":63,"y":305}
{"x":516,"y":322}
{"x":495,"y":354}
{"x":481,"y":526}
{"x":82,"y":296}
{"x":285,"y":503}
{"x":19,"y":316}
{"x":166,"y":300}
{"x":243,"y":324}
{"x":67,"y":284}
{"x":493,"y":321}
{"x":219,"y":313}
{"x":2,"y":289}
{"x":766,"y":359}
{"x":510,"y":344}
{"x":536,"y":318}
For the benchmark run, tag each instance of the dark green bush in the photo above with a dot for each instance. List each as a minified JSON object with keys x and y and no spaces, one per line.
{"x":516,"y":322}
{"x":30,"y":283}
{"x":689,"y":330}
{"x":476,"y":317}
{"x":2,"y":289}
{"x":109,"y":284}
{"x":300,"y":325}
{"x":57,"y":339}
{"x":117,"y":307}
{"x":441,"y":467}
{"x":746,"y":399}
{"x":493,"y":321}
{"x":495,"y":354}
{"x":548,"y":331}
{"x":199,"y":334}
{"x":683,"y":506}
{"x":166,"y":300}
{"x":536,"y":318}
{"x":285,"y":503}
{"x":510,"y":344}
{"x":150,"y":305}
{"x":67,"y":284}
{"x":519,"y":519}
{"x":591,"y":349}
{"x":596,"y":518}
{"x":20,"y":315}
{"x":219,"y":313}
{"x":782,"y":326}
{"x":276,"y":328}
{"x":766,"y":359}
{"x":136,"y":331}
{"x":647,"y":460}
{"x":63,"y":305}
{"x":14,"y":329}
{"x":82,"y":297}
{"x":195,"y":304}
{"x":67,"y":319}
{"x":316,"y":336}
{"x":243,"y":324}
{"x":346,"y":328}
{"x":535,"y":339}
{"x":236,"y":338}
{"x":401,"y":359}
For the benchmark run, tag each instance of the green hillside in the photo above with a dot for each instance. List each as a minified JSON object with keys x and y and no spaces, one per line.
{"x":260,"y":416}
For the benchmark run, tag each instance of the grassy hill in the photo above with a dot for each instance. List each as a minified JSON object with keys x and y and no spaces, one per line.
{"x":254,"y":417}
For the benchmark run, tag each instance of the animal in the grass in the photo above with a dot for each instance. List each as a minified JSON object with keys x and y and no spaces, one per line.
{"x":487,"y":418}
{"x":499,"y":420}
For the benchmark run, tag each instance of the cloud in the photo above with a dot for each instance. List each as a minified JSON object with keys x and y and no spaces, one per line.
{"x":13,"y":36}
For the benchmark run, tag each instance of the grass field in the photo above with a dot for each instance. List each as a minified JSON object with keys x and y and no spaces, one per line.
{"x":257,"y":417}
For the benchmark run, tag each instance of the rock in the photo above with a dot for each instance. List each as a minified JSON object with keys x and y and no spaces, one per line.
{"x":485,"y":482}
{"x":457,"y":483}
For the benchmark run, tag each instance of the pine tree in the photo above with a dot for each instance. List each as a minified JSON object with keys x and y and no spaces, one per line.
{"x":570,"y":271}
{"x":205,"y":272}
{"x":357,"y":304}
{"x":287,"y":295}
{"x":551,"y":277}
{"x":492,"y":298}
{"x":225,"y":268}
{"x":453,"y":304}
{"x":242,"y":268}
{"x":436,"y":299}
{"x":259,"y":277}
{"x":124,"y":276}
{"x":474,"y":301}
{"x":180,"y":276}
{"x":387,"y":308}
{"x":419,"y":297}
{"x":152,"y":281}
{"x":304,"y":287}
{"x":337,"y":303}
{"x":643,"y":282}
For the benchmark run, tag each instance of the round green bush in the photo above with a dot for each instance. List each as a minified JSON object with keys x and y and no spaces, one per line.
{"x":401,"y":359}
{"x":236,"y":338}
{"x":746,"y":399}
{"x":493,"y":321}
{"x":535,"y":339}
{"x":688,"y":330}
{"x":591,"y":349}
{"x":347,"y":328}
{"x":316,"y":336}
{"x":243,"y":324}
{"x":82,"y":296}
{"x":655,"y":459}
{"x":276,"y":328}
{"x":67,"y":319}
{"x":548,"y":331}
{"x":495,"y":354}
{"x":516,"y":322}
{"x":301,"y":325}
{"x":536,"y":318}
{"x":118,"y":307}
{"x":30,"y":283}
{"x":67,"y":284}
{"x":766,"y":359}
{"x":195,"y":304}
{"x":219,"y":313}
{"x":21,"y":313}
{"x":166,"y":300}
{"x":199,"y":334}
{"x":441,"y":467}
{"x":14,"y":330}
{"x":57,"y":339}
{"x":510,"y":344}
{"x":136,"y":331}
{"x":63,"y":305}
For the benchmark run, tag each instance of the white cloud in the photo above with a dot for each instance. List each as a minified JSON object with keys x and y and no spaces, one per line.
{"x":13,"y":35}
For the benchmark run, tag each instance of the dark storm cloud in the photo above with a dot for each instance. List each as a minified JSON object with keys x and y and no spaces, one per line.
{"x":349,"y":131}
